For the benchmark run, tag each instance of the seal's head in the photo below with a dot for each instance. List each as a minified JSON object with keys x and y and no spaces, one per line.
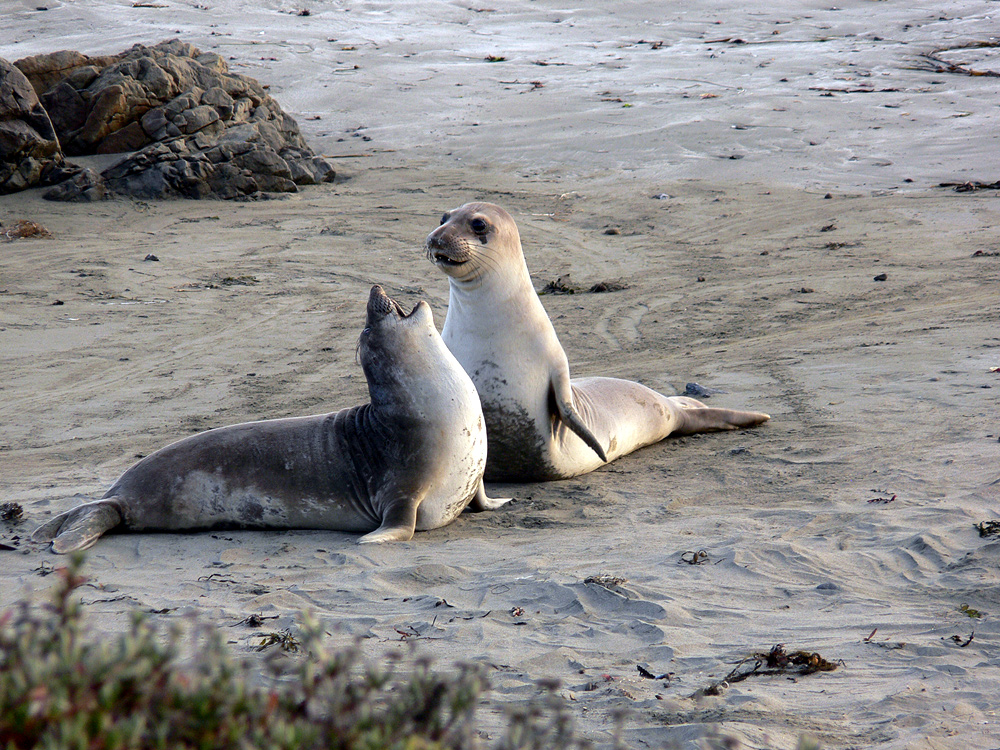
{"x":387,"y":324}
{"x":396,"y":347}
{"x":473,"y":240}
{"x":381,"y":307}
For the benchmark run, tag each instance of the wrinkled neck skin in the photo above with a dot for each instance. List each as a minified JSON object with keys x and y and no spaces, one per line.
{"x":491,"y":302}
{"x":418,"y":383}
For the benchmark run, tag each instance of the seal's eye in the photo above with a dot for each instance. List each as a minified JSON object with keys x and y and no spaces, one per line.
{"x":479,"y":226}
{"x":444,"y":218}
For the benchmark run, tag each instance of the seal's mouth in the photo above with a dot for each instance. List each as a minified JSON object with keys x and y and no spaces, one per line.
{"x":380,"y":303}
{"x":443,"y":259}
{"x":447,"y":256}
{"x":447,"y":252}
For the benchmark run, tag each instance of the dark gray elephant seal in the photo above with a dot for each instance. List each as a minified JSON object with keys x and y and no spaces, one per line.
{"x":413,"y":458}
{"x":541,"y":425}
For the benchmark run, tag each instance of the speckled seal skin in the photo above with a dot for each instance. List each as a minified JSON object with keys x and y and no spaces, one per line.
{"x":541,"y":424}
{"x":411,"y":459}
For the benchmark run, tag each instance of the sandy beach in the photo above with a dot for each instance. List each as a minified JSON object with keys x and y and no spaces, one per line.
{"x":746,"y":174}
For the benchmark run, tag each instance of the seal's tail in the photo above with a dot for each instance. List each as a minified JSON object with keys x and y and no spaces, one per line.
{"x":79,"y":528}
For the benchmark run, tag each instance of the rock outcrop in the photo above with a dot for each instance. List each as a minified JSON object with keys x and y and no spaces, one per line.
{"x":191,"y":128}
{"x":28,"y":142}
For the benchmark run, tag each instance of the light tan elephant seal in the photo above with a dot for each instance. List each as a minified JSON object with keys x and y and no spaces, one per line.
{"x":541,"y":424}
{"x":412,"y":459}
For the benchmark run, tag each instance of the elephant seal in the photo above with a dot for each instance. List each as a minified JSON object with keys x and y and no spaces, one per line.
{"x":413,"y":458}
{"x":540,"y":424}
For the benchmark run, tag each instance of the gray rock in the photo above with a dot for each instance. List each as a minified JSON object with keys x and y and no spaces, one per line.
{"x":66,"y":108}
{"x":204,"y":140}
{"x":229,"y":181}
{"x":114,"y":107}
{"x":148,"y":183}
{"x":310,"y":170}
{"x":212,"y":62}
{"x":24,"y":174}
{"x":182,"y":103}
{"x":28,"y":142}
{"x":191,"y":127}
{"x":242,"y":108}
{"x":222,"y":102}
{"x":263,"y":161}
{"x":301,"y":174}
{"x":321,"y":168}
{"x":45,"y":71}
{"x":192,"y":120}
{"x":129,"y":138}
{"x":154,"y":122}
{"x":87,"y":185}
{"x":80,"y":78}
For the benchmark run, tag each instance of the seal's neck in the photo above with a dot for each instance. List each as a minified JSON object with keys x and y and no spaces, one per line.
{"x":502,"y":302}
{"x":502,"y":279}
{"x":418,"y":378}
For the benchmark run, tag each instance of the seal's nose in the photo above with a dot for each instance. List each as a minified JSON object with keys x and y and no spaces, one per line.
{"x":378,"y":302}
{"x":434,"y":241}
{"x":435,"y":246}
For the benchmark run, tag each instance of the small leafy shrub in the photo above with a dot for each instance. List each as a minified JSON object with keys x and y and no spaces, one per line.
{"x":61,"y":689}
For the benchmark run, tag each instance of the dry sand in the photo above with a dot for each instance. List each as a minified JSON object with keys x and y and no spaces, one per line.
{"x":753,"y":275}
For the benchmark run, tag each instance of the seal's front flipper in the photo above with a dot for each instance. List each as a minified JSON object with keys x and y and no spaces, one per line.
{"x":79,"y":528}
{"x":481,"y":502}
{"x":696,"y":417}
{"x":398,"y":523}
{"x":562,"y":393}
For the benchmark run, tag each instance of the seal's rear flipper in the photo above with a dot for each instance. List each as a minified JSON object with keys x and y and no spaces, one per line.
{"x":696,"y":417}
{"x":79,"y":528}
{"x":481,"y":502}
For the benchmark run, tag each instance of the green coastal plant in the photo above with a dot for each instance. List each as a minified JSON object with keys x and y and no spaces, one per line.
{"x":62,"y":688}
